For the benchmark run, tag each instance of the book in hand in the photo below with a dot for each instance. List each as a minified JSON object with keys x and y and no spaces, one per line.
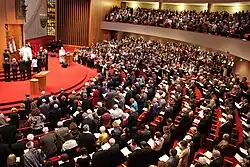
{"x":238,"y":157}
{"x":105,"y":146}
{"x":164,"y":158}
{"x":97,"y":135}
{"x":125,"y":151}
{"x":208,"y":154}
{"x":244,"y":151}
{"x":151,"y":142}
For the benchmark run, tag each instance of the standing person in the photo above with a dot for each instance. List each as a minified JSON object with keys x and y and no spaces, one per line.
{"x":34,"y":64}
{"x":6,"y":54}
{"x":28,"y":68}
{"x":14,"y":66}
{"x":39,"y":63}
{"x":22,"y":67}
{"x":62,"y":53}
{"x":33,"y":157}
{"x":6,"y":70}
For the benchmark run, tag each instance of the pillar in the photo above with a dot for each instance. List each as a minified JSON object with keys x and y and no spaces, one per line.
{"x":209,"y":6}
{"x":160,"y":5}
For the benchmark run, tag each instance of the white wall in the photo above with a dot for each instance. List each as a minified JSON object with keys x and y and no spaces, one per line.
{"x":32,"y":27}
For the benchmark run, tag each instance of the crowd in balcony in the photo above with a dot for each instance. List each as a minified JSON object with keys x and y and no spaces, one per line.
{"x":235,"y":25}
{"x":150,"y":100}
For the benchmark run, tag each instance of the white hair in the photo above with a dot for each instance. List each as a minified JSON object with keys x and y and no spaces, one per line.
{"x":111,"y":141}
{"x":99,"y":104}
{"x":30,"y":137}
{"x":102,"y":129}
{"x":43,"y":93}
{"x":202,"y":160}
{"x":45,"y":130}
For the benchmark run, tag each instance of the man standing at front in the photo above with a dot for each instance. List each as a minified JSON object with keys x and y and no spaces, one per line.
{"x":61,"y":55}
{"x":6,"y":69}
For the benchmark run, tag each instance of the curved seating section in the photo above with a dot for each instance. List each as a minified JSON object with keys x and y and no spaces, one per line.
{"x":235,"y":47}
{"x":218,"y":23}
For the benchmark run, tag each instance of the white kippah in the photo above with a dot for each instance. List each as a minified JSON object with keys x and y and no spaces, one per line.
{"x":44,"y":100}
{"x":60,"y":123}
{"x":30,"y":137}
{"x":55,"y":105}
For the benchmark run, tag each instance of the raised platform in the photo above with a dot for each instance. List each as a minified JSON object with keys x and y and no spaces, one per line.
{"x":71,"y":78}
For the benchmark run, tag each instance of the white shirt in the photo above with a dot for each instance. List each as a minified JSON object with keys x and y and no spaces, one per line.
{"x":34,"y":63}
{"x":62,"y":52}
{"x":117,"y":113}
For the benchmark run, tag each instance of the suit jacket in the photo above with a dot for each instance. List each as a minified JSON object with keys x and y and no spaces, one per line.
{"x":22,"y":65}
{"x":59,"y":133}
{"x":54,"y":117}
{"x":139,"y":158}
{"x":87,"y":140}
{"x":48,"y":143}
{"x":18,"y":148}
{"x":44,"y":108}
{"x":8,"y":133}
{"x":226,"y":128}
{"x":4,"y":152}
{"x":115,"y":156}
{"x":100,"y":159}
{"x":173,"y":161}
{"x":132,"y":119}
{"x":14,"y":119}
{"x":218,"y":162}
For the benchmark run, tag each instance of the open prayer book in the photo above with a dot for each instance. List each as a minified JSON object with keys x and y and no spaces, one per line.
{"x":164,"y":158}
{"x":105,"y":146}
{"x":151,"y":142}
{"x":244,"y":151}
{"x":238,"y":157}
{"x":125,"y":151}
{"x":97,"y":135}
{"x":208,"y":154}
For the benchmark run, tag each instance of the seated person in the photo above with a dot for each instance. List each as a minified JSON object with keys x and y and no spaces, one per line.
{"x":84,"y":159}
{"x":217,"y":160}
{"x":201,"y":162}
{"x":224,"y":142}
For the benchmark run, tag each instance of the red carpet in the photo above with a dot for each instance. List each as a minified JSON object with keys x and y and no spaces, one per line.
{"x":57,"y":78}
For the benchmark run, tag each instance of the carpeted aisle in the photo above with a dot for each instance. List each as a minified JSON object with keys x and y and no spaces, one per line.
{"x":57,"y":78}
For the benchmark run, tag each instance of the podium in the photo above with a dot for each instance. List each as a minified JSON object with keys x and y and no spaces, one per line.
{"x":41,"y":76}
{"x":34,"y":86}
{"x":69,"y":58}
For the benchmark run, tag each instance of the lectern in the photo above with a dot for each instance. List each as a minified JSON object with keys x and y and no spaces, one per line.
{"x":41,"y":76}
{"x":34,"y":86}
{"x":69,"y":58}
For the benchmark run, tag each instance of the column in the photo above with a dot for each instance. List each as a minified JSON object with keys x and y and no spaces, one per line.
{"x":209,"y":6}
{"x":160,"y":5}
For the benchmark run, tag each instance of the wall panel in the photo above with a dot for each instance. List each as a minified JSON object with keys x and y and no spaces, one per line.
{"x":180,"y":7}
{"x":72,"y":21}
{"x":149,"y":5}
{"x":98,"y":10}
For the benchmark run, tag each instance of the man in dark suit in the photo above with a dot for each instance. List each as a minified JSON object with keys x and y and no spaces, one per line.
{"x":14,"y":117}
{"x":132,"y":119}
{"x":19,"y":147}
{"x":173,"y":159}
{"x":87,"y":140}
{"x":43,"y":96}
{"x":116,"y":157}
{"x":54,"y":116}
{"x":44,"y":108}
{"x":8,"y":133}
{"x":196,"y":138}
{"x":27,"y":101}
{"x":100,"y":159}
{"x":28,"y":68}
{"x":217,"y":160}
{"x":6,"y":54}
{"x":22,"y":67}
{"x":227,"y":127}
{"x":6,"y":70}
{"x":48,"y":143}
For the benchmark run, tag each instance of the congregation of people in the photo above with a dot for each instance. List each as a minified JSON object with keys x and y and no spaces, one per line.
{"x":22,"y":69}
{"x":101,"y":125}
{"x":235,"y":25}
